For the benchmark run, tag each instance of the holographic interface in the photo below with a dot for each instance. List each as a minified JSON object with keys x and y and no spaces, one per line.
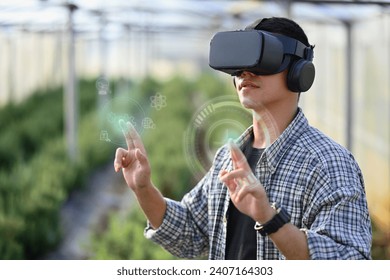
{"x":212,"y":126}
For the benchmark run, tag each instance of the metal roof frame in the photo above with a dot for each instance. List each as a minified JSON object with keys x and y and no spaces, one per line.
{"x":211,"y":14}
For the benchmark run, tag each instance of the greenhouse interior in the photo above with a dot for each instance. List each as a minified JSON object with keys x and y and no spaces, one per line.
{"x":70,"y":70}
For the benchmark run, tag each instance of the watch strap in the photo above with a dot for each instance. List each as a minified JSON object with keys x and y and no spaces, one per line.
{"x":281,"y":218}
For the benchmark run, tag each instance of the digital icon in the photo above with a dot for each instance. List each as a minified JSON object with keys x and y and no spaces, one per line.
{"x":148,"y":123}
{"x":104,"y":136}
{"x":158,"y":101}
{"x":103,"y":86}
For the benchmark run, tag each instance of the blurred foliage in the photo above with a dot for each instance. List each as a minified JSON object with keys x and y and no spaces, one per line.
{"x":380,"y":244}
{"x":211,"y":86}
{"x":169,"y":171}
{"x":124,"y":240}
{"x":27,"y":127}
{"x":36,"y":175}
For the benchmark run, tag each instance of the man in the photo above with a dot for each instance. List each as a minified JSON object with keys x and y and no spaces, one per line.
{"x":284,"y":191}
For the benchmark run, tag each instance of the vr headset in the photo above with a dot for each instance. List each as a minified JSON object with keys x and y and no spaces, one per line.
{"x":263,"y":53}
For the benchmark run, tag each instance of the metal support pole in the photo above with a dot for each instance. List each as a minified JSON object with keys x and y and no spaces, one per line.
{"x":70,"y":94}
{"x":102,"y":46}
{"x":349,"y":102}
{"x":288,"y":8}
{"x":103,"y":86}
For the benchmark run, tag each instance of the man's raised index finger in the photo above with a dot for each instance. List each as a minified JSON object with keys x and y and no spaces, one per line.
{"x":237,"y":156}
{"x":127,"y":132}
{"x":123,"y":127}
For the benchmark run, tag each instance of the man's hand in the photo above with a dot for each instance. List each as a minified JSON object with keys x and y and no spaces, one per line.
{"x":246,"y":191}
{"x":133,"y":161}
{"x":136,"y":171}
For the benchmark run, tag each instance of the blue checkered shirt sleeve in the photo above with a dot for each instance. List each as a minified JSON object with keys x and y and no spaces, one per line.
{"x":336,"y":221}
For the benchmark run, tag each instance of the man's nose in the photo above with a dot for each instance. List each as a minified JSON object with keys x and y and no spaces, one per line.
{"x":244,"y":74}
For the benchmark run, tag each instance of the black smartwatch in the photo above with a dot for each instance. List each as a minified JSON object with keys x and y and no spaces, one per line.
{"x":281,"y":218}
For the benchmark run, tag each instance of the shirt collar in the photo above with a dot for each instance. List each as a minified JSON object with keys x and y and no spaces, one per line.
{"x":274,"y":153}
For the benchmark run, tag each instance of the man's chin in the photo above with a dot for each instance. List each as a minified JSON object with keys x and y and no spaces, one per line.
{"x":248,"y":103}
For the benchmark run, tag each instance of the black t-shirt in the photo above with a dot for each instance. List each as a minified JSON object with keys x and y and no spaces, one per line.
{"x":241,"y":243}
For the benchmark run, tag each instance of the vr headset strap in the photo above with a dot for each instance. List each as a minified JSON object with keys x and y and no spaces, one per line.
{"x":294,"y":47}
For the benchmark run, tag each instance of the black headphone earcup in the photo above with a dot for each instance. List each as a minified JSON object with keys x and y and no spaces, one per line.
{"x":301,"y":76}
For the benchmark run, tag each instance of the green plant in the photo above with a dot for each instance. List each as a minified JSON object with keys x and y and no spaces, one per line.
{"x":36,"y":174}
{"x":123,"y":240}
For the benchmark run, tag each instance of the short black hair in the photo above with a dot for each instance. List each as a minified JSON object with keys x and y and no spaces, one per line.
{"x":280,"y":25}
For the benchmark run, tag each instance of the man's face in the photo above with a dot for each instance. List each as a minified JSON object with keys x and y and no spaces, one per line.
{"x":256,"y":92}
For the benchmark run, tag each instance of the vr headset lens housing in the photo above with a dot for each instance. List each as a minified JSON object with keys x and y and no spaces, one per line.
{"x":259,"y":52}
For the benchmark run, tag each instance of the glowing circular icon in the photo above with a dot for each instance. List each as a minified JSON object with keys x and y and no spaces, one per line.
{"x":103,"y":86}
{"x":126,"y":109}
{"x":216,"y":122}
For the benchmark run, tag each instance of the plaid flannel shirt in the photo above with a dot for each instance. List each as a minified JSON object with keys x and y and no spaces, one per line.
{"x":315,"y":179}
